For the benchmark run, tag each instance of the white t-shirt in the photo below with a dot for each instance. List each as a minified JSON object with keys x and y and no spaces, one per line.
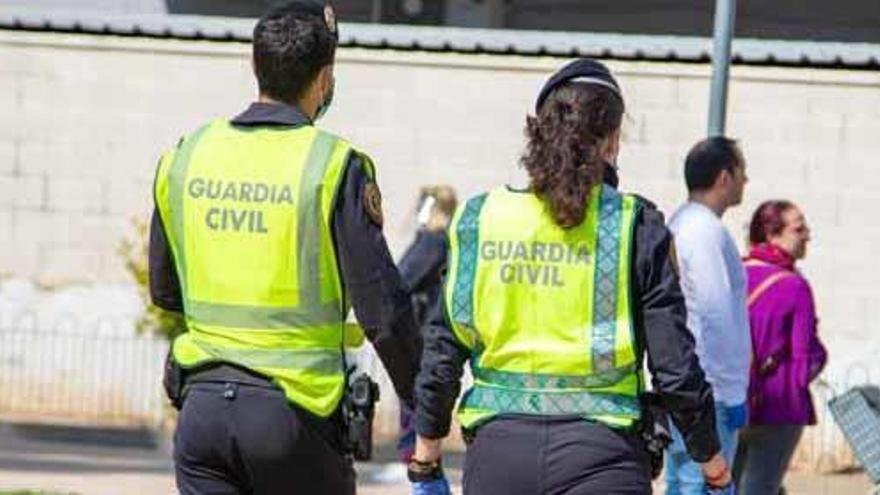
{"x":714,"y":283}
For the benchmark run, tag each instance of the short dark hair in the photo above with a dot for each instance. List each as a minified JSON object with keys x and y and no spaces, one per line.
{"x":292,"y":43}
{"x":707,"y":159}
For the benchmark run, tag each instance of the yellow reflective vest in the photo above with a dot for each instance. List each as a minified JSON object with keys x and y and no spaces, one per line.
{"x":247,"y":213}
{"x":545,"y":311}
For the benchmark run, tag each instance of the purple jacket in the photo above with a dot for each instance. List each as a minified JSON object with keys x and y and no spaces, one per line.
{"x":783,"y":324}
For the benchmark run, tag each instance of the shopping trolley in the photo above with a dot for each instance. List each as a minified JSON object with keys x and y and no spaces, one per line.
{"x":857,"y":413}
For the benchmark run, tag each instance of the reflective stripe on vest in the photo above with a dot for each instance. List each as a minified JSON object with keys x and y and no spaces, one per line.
{"x":545,"y":310}
{"x":247,"y":214}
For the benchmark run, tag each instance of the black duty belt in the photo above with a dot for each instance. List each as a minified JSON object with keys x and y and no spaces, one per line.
{"x":228,"y":373}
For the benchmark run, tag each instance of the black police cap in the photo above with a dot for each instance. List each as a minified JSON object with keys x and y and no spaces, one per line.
{"x":583,"y":70}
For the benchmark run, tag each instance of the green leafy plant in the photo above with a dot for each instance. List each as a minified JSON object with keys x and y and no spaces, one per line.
{"x":134,"y":252}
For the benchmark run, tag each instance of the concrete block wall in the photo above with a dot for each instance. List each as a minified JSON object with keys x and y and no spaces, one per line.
{"x":85,"y":119}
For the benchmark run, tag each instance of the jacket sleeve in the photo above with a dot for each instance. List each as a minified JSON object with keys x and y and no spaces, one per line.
{"x":381,"y":303}
{"x":674,"y":366}
{"x":439,"y":380}
{"x":424,"y":258}
{"x":808,"y":354}
{"x":164,"y":283}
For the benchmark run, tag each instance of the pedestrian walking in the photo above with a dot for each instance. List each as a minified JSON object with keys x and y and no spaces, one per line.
{"x":714,"y":285}
{"x":424,"y":261}
{"x":787,"y":352}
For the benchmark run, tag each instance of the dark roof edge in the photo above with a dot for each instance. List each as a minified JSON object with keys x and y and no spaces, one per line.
{"x":464,"y":40}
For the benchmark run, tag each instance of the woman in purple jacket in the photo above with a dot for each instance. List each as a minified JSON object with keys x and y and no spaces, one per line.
{"x":787,"y":353}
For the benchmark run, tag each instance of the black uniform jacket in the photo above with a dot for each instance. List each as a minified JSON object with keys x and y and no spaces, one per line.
{"x":381,"y":303}
{"x":422,"y":267}
{"x":661,"y":333}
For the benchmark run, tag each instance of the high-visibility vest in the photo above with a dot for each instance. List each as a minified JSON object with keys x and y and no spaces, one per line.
{"x":545,"y":311}
{"x":247,"y":213}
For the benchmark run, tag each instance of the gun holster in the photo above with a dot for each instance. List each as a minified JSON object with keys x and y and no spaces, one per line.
{"x":359,"y":407}
{"x":654,"y":430}
{"x":173,"y":381}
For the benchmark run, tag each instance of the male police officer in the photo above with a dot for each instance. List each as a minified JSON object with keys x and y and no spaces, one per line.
{"x":266,"y":228}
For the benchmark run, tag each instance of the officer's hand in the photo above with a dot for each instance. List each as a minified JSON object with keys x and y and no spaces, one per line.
{"x":716,"y":473}
{"x":436,"y":487}
{"x":736,"y":416}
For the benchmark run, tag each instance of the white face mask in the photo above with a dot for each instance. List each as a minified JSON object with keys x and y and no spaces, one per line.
{"x":424,"y":213}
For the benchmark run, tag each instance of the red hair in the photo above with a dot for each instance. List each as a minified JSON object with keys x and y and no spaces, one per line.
{"x":767,"y":220}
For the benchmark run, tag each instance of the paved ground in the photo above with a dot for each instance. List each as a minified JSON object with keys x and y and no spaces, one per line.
{"x":134,"y":463}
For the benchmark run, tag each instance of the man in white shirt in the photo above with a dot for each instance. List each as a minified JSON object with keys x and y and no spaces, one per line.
{"x":714,"y":285}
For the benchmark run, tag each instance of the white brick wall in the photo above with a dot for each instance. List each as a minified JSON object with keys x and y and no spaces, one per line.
{"x":8,"y":156}
{"x":26,"y":191}
{"x":69,"y":263}
{"x":86,"y":119}
{"x":6,"y":226}
{"x":75,"y":195}
{"x":34,"y":229}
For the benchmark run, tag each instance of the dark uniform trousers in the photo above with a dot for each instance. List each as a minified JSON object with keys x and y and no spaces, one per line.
{"x":243,"y":437}
{"x":545,"y":456}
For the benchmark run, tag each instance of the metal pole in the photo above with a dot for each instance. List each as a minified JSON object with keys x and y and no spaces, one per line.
{"x":725,"y":15}
{"x":376,"y":12}
{"x":497,"y":13}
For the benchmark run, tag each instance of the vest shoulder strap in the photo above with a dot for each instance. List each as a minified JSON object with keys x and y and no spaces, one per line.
{"x":643,"y":202}
{"x":765,"y":285}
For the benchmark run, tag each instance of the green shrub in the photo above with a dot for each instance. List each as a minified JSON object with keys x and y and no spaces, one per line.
{"x":154,"y":320}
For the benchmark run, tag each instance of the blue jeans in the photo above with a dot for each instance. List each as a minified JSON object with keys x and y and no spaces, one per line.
{"x":683,"y":474}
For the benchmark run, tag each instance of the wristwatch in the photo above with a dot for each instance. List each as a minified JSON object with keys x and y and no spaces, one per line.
{"x":422,"y":471}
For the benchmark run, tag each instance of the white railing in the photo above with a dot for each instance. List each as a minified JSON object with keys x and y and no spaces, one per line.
{"x":66,"y":369}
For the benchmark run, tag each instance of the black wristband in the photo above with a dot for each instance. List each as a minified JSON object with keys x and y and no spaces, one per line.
{"x":418,"y":471}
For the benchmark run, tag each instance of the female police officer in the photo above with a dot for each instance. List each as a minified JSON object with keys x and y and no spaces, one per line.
{"x":554,"y":294}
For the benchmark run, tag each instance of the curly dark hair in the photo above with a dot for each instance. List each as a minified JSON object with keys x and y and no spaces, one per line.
{"x":563,"y":155}
{"x":291,"y":46}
